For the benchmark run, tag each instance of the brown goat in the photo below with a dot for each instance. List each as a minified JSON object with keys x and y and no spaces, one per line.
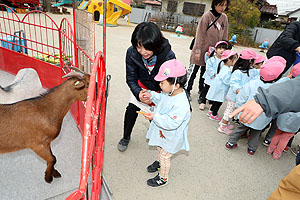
{"x":34,"y":123}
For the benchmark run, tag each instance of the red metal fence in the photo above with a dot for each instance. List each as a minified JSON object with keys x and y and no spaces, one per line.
{"x":36,"y":41}
{"x":93,"y":132}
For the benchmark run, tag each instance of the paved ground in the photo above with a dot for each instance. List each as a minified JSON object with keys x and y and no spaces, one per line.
{"x":208,"y":171}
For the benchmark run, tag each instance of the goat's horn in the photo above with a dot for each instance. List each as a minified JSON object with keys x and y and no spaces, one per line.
{"x":72,"y":74}
{"x":77,"y":69}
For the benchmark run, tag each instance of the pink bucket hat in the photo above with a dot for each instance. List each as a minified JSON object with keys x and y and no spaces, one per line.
{"x":259,"y":59}
{"x":226,"y":54}
{"x":277,"y":58}
{"x":296,"y":70}
{"x":248,"y":54}
{"x":271,"y":70}
{"x":221,"y":42}
{"x":171,"y":68}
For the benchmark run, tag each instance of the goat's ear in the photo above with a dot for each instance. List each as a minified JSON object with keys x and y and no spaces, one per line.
{"x":79,"y":84}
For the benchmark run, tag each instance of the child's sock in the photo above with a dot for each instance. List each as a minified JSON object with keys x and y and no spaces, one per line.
{"x":163,"y":179}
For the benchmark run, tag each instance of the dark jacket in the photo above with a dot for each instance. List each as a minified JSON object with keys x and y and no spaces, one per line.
{"x":286,"y":44}
{"x":280,"y":98}
{"x":136,"y":70}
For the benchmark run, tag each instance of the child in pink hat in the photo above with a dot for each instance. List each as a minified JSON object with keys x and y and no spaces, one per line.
{"x":169,"y":123}
{"x":287,"y":125}
{"x":259,"y":61}
{"x":211,"y":71}
{"x":269,"y":73}
{"x":242,"y":73}
{"x":219,"y":88}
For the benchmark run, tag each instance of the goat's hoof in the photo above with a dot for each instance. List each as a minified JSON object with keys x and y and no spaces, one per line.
{"x":56,"y":174}
{"x":48,"y":179}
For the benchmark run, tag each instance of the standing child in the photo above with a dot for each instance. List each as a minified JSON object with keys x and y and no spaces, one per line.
{"x":269,"y":73}
{"x":169,"y":126}
{"x":211,"y":70}
{"x":242,"y":73}
{"x":287,"y":125}
{"x":220,"y":86}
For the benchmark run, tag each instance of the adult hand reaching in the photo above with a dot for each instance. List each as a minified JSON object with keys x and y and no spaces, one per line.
{"x":250,"y":111}
{"x":145,"y":97}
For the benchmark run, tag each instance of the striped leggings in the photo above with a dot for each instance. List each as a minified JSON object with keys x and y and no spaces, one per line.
{"x":229,"y":108}
{"x":165,"y":162}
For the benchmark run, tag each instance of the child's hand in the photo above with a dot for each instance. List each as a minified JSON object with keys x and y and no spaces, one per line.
{"x":289,"y":76}
{"x":149,"y":116}
{"x":145,"y":97}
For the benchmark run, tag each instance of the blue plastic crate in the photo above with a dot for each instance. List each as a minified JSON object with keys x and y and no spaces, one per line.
{"x":10,"y":42}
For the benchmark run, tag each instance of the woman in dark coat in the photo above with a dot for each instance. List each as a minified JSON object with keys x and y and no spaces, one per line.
{"x":287,"y":44}
{"x":143,"y":59}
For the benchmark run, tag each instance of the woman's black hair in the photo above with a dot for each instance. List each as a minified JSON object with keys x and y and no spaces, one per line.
{"x":225,"y":61}
{"x":217,"y":2}
{"x":181,"y":80}
{"x":148,"y":35}
{"x":243,"y":65}
{"x":221,"y":46}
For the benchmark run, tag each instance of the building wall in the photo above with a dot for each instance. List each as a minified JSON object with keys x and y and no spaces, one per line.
{"x":180,"y":5}
{"x":295,"y":15}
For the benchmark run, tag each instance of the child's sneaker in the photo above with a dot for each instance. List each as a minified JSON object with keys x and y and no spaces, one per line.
{"x":228,"y":146}
{"x":157,"y":181}
{"x":251,"y":152}
{"x":202,"y":106}
{"x":295,"y":150}
{"x":270,"y":151}
{"x":266,"y":143}
{"x":224,"y":129}
{"x":216,"y":118}
{"x":208,"y":114}
{"x":154,"y":167}
{"x":286,"y":149}
{"x":229,"y":126}
{"x":276,"y":156}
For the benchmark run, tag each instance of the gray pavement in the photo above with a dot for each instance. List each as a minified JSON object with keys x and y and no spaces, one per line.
{"x":208,"y":171}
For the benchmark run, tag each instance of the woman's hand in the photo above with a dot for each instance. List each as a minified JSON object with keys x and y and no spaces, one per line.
{"x":250,"y":111}
{"x":237,"y":91}
{"x":145,"y":97}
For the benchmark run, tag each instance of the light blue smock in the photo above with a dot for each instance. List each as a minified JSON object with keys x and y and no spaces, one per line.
{"x":169,"y":126}
{"x":206,"y":57}
{"x":211,"y":70}
{"x":247,"y":93}
{"x":238,"y":79}
{"x":219,"y":88}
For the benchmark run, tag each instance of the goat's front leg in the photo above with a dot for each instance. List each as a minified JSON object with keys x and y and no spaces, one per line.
{"x":55,"y":173}
{"x":44,"y":151}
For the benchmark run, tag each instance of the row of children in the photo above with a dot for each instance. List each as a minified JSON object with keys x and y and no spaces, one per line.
{"x":239,"y":85}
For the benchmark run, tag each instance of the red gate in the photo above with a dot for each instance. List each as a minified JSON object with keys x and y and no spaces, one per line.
{"x":36,"y":41}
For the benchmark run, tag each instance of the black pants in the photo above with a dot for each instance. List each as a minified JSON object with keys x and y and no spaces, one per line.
{"x":204,"y":93}
{"x":193,"y":76}
{"x":215,"y":107}
{"x":129,"y":119}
